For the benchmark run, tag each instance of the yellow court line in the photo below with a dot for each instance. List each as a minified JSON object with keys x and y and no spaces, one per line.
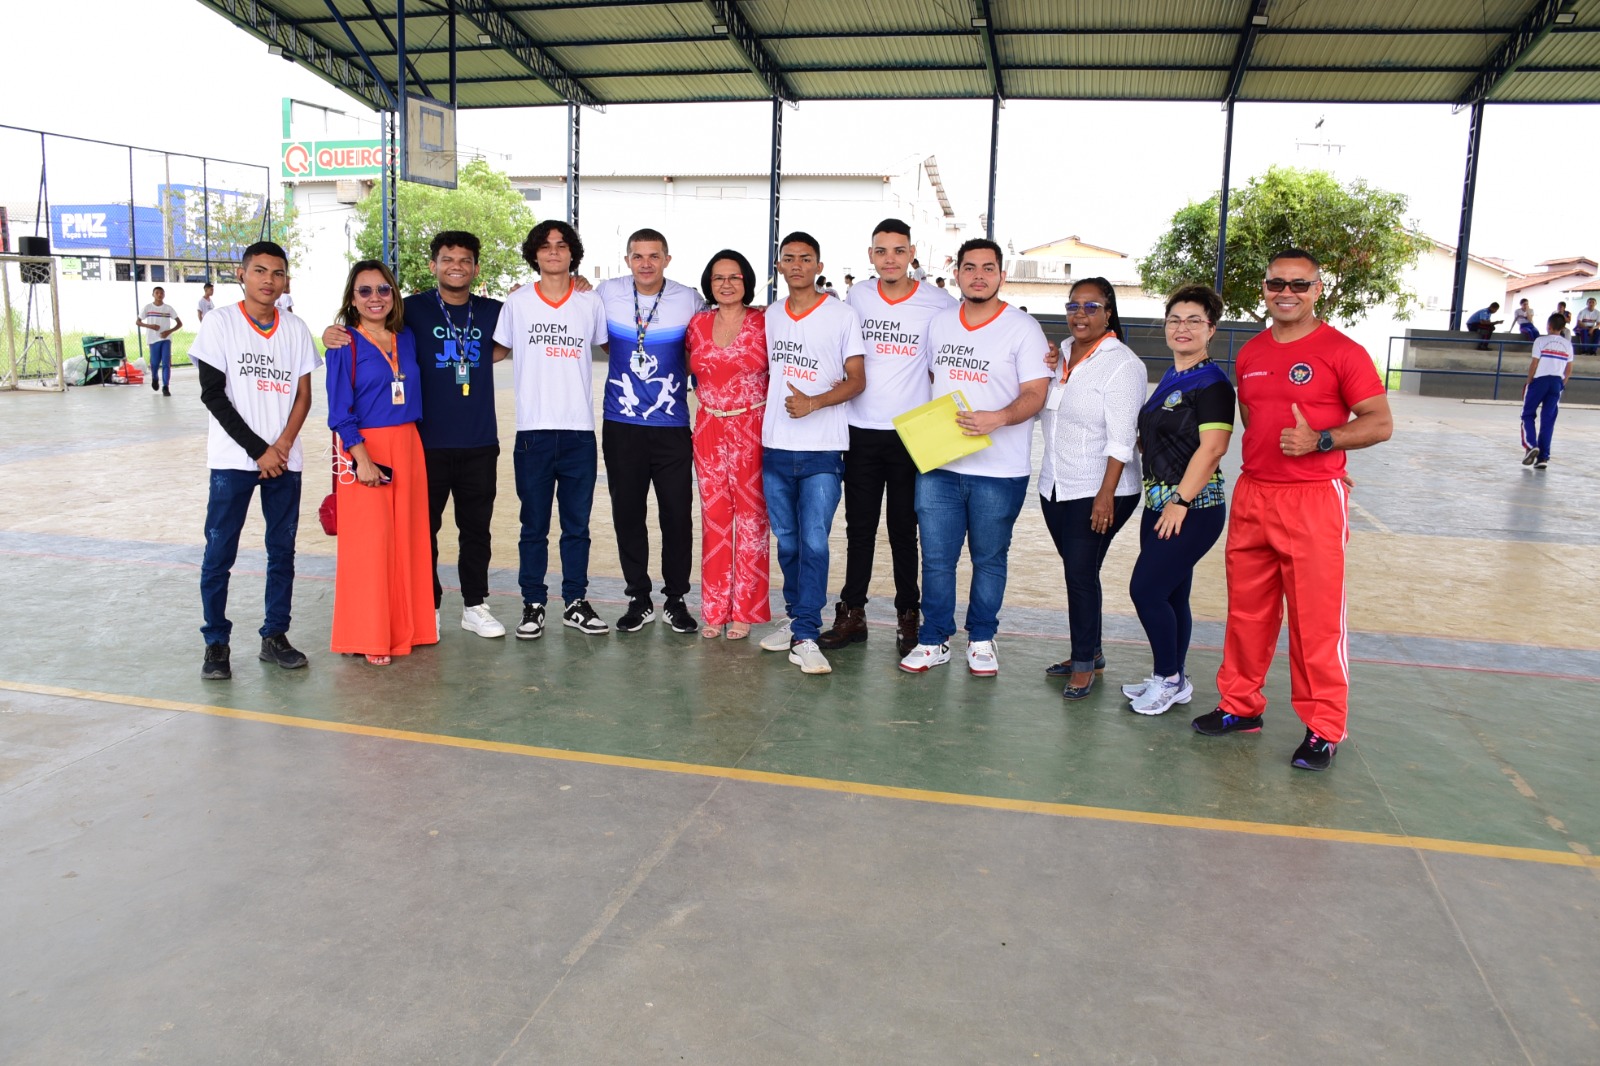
{"x":856,"y":788}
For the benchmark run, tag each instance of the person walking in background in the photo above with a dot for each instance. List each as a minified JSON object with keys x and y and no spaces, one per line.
{"x":1184,"y":429}
{"x":160,"y":321}
{"x":1089,"y":479}
{"x":383,"y":589}
{"x":255,"y":369}
{"x":727,"y":354}
{"x":1548,"y":372}
{"x":1307,"y":394}
{"x":205,"y":306}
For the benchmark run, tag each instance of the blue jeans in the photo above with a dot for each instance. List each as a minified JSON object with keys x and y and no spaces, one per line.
{"x":982,"y":511}
{"x":558,"y":465}
{"x":161,"y":362}
{"x":802,"y":494}
{"x":226,"y":509}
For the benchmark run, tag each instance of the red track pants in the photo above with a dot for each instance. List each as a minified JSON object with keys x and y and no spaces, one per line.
{"x":1287,"y":541}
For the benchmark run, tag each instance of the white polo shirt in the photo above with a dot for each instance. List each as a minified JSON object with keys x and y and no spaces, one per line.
{"x":552,"y":351}
{"x":988,"y":364}
{"x":263,"y":371}
{"x":808,"y":352}
{"x":1554,"y":353}
{"x":897,"y":361}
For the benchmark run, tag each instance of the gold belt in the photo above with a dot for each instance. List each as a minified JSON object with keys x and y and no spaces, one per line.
{"x":736,"y":410}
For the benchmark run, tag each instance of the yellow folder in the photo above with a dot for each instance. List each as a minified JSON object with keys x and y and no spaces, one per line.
{"x":931,"y":435}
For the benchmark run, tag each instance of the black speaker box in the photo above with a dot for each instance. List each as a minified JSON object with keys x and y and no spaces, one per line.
{"x":34,"y":273}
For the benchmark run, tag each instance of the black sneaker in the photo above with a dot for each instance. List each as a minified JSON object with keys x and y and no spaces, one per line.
{"x":155,"y":386}
{"x":1219,"y":722}
{"x":640,"y":614}
{"x":1314,"y":753}
{"x":677,"y":615}
{"x":277,"y":649}
{"x":165,"y":391}
{"x":580,"y":616}
{"x":215,"y":667}
{"x":532,"y":625}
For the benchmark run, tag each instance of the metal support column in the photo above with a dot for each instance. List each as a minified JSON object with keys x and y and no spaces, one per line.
{"x":574,"y":169}
{"x":1458,"y":290}
{"x":1222,"y":200}
{"x":133,"y":254}
{"x":389,"y":190}
{"x":450,"y":22}
{"x":994,"y":167}
{"x":774,"y":199}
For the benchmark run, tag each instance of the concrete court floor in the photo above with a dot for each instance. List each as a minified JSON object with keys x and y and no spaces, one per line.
{"x":653,"y":848}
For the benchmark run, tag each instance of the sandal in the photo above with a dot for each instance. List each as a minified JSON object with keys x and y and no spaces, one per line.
{"x":738,"y":630}
{"x":378,"y":660}
{"x":711,"y":632}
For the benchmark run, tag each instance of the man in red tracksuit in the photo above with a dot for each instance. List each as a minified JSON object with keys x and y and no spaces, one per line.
{"x":1299,"y":385}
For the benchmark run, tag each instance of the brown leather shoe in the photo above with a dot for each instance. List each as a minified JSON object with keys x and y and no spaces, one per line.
{"x":909,"y":623}
{"x":849,"y":627}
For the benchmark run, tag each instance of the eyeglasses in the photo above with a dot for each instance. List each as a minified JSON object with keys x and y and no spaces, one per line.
{"x":1192,"y":322}
{"x":723,"y":279}
{"x":366,"y":291}
{"x":1090,"y":308}
{"x":1297,"y":285}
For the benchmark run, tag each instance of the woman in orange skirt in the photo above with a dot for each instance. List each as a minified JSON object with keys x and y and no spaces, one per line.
{"x":383,"y":580}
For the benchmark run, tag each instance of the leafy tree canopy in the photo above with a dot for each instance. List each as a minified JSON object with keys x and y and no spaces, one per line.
{"x":484,"y":203}
{"x":1358,"y":232}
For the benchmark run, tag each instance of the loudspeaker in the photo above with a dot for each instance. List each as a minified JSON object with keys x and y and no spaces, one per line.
{"x":34,"y":273}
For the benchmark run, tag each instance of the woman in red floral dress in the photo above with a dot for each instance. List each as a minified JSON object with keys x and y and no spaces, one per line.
{"x":727,"y":346}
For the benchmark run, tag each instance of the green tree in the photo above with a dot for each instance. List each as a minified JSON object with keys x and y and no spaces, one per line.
{"x":1358,"y":232}
{"x":483,"y":203}
{"x":234,"y":222}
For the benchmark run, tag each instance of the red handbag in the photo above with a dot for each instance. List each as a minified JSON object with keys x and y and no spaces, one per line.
{"x":328,"y":512}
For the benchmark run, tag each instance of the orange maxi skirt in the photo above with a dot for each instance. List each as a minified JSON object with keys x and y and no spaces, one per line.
{"x":383,"y":580}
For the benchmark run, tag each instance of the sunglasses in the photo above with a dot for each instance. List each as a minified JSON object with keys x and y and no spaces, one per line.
{"x":1297,"y":285}
{"x":366,"y":291}
{"x":1090,"y":308}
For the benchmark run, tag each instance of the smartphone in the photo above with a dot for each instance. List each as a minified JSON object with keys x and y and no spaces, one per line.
{"x":385,"y":473}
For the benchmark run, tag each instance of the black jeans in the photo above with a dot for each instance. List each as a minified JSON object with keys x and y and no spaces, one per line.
{"x":878,"y":461}
{"x":1082,"y":551}
{"x":1163,"y":577}
{"x":468,"y":474}
{"x":637,"y":459}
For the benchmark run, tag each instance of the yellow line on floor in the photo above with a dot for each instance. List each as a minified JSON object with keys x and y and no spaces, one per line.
{"x":856,"y":788}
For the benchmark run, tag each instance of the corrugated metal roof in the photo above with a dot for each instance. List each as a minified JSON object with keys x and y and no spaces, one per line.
{"x":542,"y":52}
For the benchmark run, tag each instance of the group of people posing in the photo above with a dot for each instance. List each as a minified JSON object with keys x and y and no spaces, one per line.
{"x":796,"y":409}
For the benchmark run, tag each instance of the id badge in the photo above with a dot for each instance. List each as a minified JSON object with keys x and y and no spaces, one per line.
{"x":463,"y":373}
{"x":1052,"y":400}
{"x":397,"y":393}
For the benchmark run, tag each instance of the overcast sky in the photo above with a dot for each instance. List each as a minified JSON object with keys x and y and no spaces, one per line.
{"x":180,"y":77}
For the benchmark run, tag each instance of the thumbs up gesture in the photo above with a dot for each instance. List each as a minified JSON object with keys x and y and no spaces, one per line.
{"x":797,"y":403}
{"x":1300,"y":438}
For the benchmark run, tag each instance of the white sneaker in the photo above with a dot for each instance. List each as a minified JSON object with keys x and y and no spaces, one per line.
{"x":779,"y":639}
{"x":1158,"y":698}
{"x":477,"y":619}
{"x":924,"y":657}
{"x":809,"y":658}
{"x":982,"y":659}
{"x":1134,"y":689}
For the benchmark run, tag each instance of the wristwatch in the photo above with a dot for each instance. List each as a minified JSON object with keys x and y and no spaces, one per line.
{"x":1179,"y":500}
{"x":1325,"y":441}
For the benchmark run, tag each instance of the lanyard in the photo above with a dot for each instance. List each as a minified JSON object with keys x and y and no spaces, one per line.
{"x":460,"y":336}
{"x":641,"y":323}
{"x":1067,"y":366}
{"x":392,"y":356}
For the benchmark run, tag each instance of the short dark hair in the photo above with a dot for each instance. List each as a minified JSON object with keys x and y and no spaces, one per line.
{"x":454,"y":238}
{"x":745,"y":269}
{"x":1108,"y":293}
{"x":802,"y":237}
{"x":892,"y":225}
{"x":264,"y":248}
{"x":647,"y":234}
{"x":976,"y":244}
{"x":539,"y":234}
{"x":1204,"y":295}
{"x":347,"y":310}
{"x":208,"y":285}
{"x":1496,"y":306}
{"x":159,"y":289}
{"x":1557,"y":322}
{"x":1295,"y":253}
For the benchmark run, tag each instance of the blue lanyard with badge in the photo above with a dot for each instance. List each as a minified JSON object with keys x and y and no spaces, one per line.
{"x":642,"y":324}
{"x":458,"y":338}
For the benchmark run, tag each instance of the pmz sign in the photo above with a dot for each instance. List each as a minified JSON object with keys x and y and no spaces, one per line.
{"x":310,"y":160}
{"x":105,"y":228}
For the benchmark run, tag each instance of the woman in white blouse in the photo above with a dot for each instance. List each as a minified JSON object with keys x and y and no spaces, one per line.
{"x":1089,"y":483}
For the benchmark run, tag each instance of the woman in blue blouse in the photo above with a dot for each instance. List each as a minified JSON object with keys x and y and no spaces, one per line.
{"x":383,"y":580}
